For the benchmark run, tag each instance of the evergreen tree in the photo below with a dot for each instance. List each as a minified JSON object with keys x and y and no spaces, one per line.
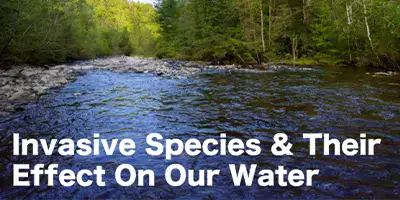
{"x":328,"y":31}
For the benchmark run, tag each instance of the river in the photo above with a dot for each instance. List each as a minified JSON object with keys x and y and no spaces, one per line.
{"x":244,"y":104}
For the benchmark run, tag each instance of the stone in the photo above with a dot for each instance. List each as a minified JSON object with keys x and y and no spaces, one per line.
{"x":29,"y":72}
{"x":6,"y":88}
{"x":4,"y":114}
{"x":18,"y":95}
{"x":15,"y":71}
{"x":40,"y":89}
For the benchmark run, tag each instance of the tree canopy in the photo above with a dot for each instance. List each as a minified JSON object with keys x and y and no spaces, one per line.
{"x":42,"y":31}
{"x":356,"y":32}
{"x":364,"y":32}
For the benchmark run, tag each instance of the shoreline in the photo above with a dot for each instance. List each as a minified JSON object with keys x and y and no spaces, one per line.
{"x":27,"y":83}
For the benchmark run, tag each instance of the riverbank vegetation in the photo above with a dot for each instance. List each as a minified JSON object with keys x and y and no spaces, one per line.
{"x":362,"y":32}
{"x":352,"y":32}
{"x":48,"y":31}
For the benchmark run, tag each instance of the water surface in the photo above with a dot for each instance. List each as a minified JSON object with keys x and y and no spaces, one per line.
{"x":245,"y":105}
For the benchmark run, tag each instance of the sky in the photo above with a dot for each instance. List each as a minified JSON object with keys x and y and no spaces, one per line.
{"x":146,"y":1}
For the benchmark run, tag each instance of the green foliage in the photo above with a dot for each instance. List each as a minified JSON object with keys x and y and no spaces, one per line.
{"x":223,"y":31}
{"x":43,"y":31}
{"x":232,"y":31}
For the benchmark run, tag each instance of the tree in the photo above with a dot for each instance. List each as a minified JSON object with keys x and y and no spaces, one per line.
{"x":47,"y":31}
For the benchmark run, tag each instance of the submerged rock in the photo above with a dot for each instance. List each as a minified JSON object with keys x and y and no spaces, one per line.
{"x":4,"y":114}
{"x":377,"y":74}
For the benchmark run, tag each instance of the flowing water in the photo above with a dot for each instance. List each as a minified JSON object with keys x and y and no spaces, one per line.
{"x":243,"y":104}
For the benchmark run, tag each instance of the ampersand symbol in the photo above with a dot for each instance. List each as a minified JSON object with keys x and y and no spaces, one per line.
{"x":280,"y":139}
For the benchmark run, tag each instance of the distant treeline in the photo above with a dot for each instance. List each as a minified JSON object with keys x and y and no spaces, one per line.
{"x":356,"y":32}
{"x":362,"y":32}
{"x":46,"y":31}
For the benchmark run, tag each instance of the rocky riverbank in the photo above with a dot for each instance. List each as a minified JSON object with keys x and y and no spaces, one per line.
{"x":28,"y":82}
{"x":22,"y":83}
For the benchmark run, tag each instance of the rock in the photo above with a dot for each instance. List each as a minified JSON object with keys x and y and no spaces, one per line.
{"x":40,"y":89}
{"x":313,"y":118}
{"x":15,"y":71}
{"x":60,"y":81}
{"x":53,"y":72}
{"x":4,"y":81}
{"x":18,"y":95}
{"x":138,"y":71}
{"x":4,"y":114}
{"x":29,"y":72}
{"x":389,"y":73}
{"x":6,"y":107}
{"x":159,"y":73}
{"x":6,"y":88}
{"x":382,"y":73}
{"x":9,"y":108}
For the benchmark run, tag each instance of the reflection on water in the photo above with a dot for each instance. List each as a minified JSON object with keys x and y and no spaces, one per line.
{"x":242,"y":104}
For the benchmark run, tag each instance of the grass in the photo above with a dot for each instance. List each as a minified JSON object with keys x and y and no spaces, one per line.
{"x":309,"y":62}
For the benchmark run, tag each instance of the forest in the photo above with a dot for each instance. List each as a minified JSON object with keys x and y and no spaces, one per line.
{"x":361,"y":32}
{"x":49,"y":31}
{"x":364,"y":33}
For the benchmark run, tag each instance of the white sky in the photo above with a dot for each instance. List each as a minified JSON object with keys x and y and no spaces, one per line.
{"x":146,"y":1}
